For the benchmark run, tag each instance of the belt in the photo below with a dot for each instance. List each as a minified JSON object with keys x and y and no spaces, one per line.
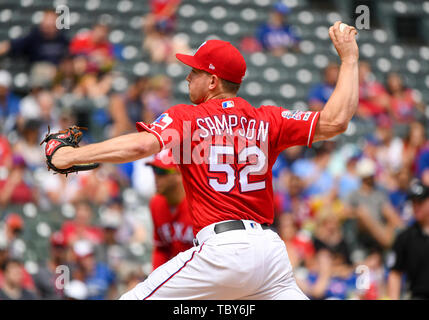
{"x":226,"y":226}
{"x":233,"y":225}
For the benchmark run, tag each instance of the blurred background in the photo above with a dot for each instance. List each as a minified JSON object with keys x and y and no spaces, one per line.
{"x":115,"y":65}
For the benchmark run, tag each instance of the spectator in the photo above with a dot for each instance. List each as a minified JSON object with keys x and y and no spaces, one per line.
{"x":48,"y":278}
{"x":158,"y":97}
{"x":81,"y":226}
{"x":294,"y":202}
{"x":5,"y":255}
{"x":10,"y":232}
{"x":110,"y":250}
{"x":285,"y":160}
{"x":423,"y":166}
{"x":163,"y":46}
{"x":329,"y":235}
{"x":120,"y":227}
{"x":49,"y":112}
{"x":160,"y":41}
{"x":411,"y":250}
{"x":95,"y":187}
{"x":9,"y":103}
{"x":15,"y":189}
{"x":68,"y":75}
{"x":276,"y":35}
{"x":44,"y":43}
{"x":5,"y":153}
{"x":163,"y":14}
{"x":348,"y":181}
{"x":93,"y":62}
{"x":12,"y":288}
{"x":398,"y":197}
{"x":60,"y":189}
{"x":404,"y":108}
{"x":126,"y":109}
{"x":97,"y":276}
{"x":95,"y":47}
{"x":390,"y":148}
{"x":329,"y":277}
{"x":100,"y":185}
{"x":315,"y":173}
{"x":38,"y":103}
{"x":29,"y":146}
{"x":375,"y":218}
{"x":376,"y":288}
{"x":373,"y":100}
{"x":298,"y":243}
{"x":414,"y":143}
{"x":320,"y":93}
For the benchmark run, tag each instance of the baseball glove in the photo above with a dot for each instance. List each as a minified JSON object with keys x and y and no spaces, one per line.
{"x":65,"y":138}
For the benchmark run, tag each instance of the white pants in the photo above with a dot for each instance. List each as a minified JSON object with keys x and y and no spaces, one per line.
{"x":239,"y":264}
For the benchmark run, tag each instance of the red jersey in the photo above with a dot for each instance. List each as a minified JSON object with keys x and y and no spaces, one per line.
{"x":172,"y":229}
{"x":225,"y":149}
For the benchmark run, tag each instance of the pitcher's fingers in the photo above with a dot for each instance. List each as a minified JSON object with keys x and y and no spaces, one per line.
{"x":350,"y":31}
{"x":332,"y":35}
{"x":338,"y":34}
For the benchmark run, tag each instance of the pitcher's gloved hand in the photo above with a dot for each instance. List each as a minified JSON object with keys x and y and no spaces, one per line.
{"x":65,"y":138}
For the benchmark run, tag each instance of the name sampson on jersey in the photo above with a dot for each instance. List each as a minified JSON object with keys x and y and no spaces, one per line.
{"x":224,"y":124}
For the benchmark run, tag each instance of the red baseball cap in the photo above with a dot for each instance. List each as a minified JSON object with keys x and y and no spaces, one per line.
{"x":58,"y":239}
{"x":164,"y":160}
{"x":217,"y":57}
{"x":14,"y":221}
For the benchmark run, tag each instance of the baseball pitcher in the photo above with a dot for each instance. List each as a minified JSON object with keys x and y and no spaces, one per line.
{"x":225,"y":149}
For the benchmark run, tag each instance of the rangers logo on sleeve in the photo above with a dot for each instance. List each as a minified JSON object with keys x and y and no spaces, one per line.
{"x":163,"y":121}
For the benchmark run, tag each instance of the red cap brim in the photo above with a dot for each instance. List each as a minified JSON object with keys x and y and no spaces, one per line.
{"x":159,"y":164}
{"x":188,"y":60}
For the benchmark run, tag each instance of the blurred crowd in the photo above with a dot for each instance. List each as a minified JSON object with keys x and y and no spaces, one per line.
{"x":339,"y":206}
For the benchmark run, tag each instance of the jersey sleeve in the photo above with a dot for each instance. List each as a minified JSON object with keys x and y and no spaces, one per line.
{"x":170,"y":127}
{"x":292,"y":128}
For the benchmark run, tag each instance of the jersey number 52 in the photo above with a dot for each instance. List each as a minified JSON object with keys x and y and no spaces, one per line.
{"x":217,"y":152}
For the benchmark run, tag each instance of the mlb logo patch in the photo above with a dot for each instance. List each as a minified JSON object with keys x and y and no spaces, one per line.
{"x":253,"y":225}
{"x":227,"y":104}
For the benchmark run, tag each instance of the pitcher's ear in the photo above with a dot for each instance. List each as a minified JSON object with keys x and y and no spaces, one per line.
{"x":214,"y":82}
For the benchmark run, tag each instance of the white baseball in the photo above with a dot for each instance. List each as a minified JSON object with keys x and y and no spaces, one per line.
{"x":342,"y":27}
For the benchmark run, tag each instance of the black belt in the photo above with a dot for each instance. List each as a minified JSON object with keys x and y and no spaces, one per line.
{"x":233,"y":225}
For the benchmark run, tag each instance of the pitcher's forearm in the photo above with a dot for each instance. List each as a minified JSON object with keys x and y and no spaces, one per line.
{"x":343,"y":103}
{"x":344,"y":100}
{"x":120,"y":149}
